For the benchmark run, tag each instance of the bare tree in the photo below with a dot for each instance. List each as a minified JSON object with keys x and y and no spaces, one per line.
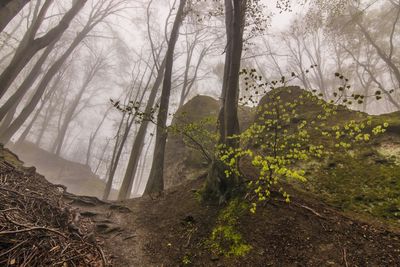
{"x":16,"y":98}
{"x":30,"y":45}
{"x":93,"y":136}
{"x":97,"y":65}
{"x":9,"y":9}
{"x":28,"y":128}
{"x":190,"y":75}
{"x":101,"y":10}
{"x":156,"y":181}
{"x":126,"y":125}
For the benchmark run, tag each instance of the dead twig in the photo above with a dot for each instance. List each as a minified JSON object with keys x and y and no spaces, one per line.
{"x":32,"y":229}
{"x":345,"y":257}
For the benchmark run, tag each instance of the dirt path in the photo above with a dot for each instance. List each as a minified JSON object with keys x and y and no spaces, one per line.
{"x":117,"y":226}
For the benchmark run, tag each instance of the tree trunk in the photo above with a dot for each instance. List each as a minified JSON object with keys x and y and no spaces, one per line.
{"x":117,"y":155}
{"x":217,"y":185}
{"x":8,"y":118}
{"x":102,"y":159}
{"x":93,"y":137}
{"x":140,"y":177}
{"x":75,"y":102}
{"x":46,"y":120}
{"x":9,"y":9}
{"x":231,"y":120}
{"x":17,"y":123}
{"x":389,"y":62}
{"x":228,"y":49}
{"x":25,"y":133}
{"x":16,"y":98}
{"x":156,"y":180}
{"x":137,"y":146}
{"x":29,"y":48}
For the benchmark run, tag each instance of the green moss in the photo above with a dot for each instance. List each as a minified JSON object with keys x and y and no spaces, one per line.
{"x":364,"y":182}
{"x":391,"y":151}
{"x":225,"y":238}
{"x":186,"y":260}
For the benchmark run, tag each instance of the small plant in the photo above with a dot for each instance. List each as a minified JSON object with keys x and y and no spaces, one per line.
{"x":293,"y":127}
{"x":225,"y":238}
{"x":197,"y":135}
{"x":186,"y":260}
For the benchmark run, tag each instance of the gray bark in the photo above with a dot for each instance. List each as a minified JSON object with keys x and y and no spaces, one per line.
{"x":9,"y":9}
{"x":155,"y":183}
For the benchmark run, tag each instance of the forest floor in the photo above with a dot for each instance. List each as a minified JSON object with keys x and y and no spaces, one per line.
{"x":172,"y":231}
{"x":175,"y":229}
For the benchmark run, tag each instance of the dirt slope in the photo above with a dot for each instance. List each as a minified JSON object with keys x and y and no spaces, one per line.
{"x":172,"y":231}
{"x":78,"y":178}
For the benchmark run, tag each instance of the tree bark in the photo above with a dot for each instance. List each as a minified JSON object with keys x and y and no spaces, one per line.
{"x":9,"y":9}
{"x":217,"y":185}
{"x":230,"y":103}
{"x":155,"y":183}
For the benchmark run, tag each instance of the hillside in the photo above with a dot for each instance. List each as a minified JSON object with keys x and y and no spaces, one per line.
{"x":77,"y":177}
{"x":172,"y":232}
{"x":346,"y":214}
{"x":365,"y":182}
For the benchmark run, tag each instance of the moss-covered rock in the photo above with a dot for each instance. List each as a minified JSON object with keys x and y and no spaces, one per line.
{"x":183,"y":162}
{"x":366,"y":179}
{"x":364,"y":182}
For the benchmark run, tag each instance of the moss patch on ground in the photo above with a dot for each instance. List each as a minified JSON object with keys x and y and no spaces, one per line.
{"x":225,"y":238}
{"x":366,"y":182}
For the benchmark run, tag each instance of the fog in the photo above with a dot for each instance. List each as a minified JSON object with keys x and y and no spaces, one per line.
{"x":80,"y":115}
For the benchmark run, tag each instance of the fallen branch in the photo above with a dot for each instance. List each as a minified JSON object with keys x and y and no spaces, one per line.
{"x":32,"y":229}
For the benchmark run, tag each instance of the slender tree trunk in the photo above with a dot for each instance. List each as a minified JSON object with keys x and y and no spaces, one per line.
{"x":30,"y":47}
{"x":94,"y":135}
{"x":155,"y":183}
{"x":116,"y":156}
{"x":139,"y":179}
{"x":137,"y":146}
{"x":25,"y":133}
{"x":190,"y":50}
{"x":102,"y":159}
{"x":48,"y":96}
{"x":9,"y":9}
{"x":5,"y":123}
{"x":46,"y":120}
{"x":228,"y":49}
{"x":16,"y":124}
{"x":387,"y":59}
{"x":72,"y":108}
{"x":16,"y":98}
